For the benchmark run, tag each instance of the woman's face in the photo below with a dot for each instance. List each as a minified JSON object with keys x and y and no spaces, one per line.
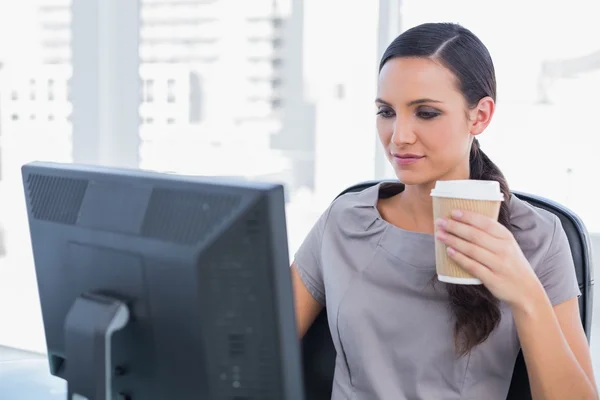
{"x":424,"y":123}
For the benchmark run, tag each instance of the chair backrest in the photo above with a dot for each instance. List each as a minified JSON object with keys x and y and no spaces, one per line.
{"x":317,"y":346}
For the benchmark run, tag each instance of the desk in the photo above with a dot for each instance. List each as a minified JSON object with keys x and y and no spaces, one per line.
{"x":26,"y":376}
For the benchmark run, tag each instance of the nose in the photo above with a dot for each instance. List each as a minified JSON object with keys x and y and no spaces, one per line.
{"x":403,"y":133}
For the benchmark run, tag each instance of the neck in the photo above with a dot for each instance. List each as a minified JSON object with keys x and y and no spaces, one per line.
{"x":417,"y":203}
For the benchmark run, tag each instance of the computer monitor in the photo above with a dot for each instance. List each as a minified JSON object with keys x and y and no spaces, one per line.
{"x":158,"y":286}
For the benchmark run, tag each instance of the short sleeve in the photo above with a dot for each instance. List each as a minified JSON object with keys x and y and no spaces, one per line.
{"x":308,"y":260}
{"x":557,"y":271}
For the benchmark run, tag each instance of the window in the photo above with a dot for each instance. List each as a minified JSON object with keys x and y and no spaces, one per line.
{"x":171,"y":91}
{"x":32,"y":90}
{"x":148,"y":88}
{"x":51,"y":90}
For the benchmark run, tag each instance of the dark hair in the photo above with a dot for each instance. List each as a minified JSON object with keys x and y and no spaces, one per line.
{"x":476,"y":310}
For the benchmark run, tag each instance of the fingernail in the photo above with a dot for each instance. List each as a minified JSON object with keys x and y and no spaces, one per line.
{"x":441,"y":235}
{"x":450,"y":251}
{"x":441,"y":222}
{"x":457,"y":214}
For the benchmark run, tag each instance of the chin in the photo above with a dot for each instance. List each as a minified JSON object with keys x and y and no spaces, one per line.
{"x":411,"y":178}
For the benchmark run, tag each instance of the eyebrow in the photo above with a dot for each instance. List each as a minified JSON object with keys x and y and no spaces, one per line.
{"x":410,"y":103}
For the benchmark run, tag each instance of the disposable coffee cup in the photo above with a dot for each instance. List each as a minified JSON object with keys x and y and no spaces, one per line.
{"x":483,"y":197}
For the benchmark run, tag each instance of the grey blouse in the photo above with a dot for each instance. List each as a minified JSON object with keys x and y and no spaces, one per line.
{"x":391,"y":325}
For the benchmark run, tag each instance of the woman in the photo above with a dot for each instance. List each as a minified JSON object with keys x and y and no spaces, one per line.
{"x":399,"y":333}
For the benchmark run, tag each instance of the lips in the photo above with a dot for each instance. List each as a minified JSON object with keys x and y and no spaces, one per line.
{"x":407,"y":159}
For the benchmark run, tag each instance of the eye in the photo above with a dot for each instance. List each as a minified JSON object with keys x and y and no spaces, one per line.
{"x":385,"y":112}
{"x":427,"y":113}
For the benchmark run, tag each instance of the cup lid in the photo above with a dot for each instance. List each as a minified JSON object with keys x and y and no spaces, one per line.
{"x":468,"y":189}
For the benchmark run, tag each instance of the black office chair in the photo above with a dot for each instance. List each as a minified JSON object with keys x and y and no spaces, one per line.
{"x":317,"y":346}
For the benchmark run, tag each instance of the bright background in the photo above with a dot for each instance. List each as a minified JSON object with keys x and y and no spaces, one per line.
{"x":277,"y":90}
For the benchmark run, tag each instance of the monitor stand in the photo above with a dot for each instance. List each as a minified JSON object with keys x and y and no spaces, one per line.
{"x":89,"y":326}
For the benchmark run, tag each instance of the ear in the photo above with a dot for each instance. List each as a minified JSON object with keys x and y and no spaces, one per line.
{"x":481,"y":115}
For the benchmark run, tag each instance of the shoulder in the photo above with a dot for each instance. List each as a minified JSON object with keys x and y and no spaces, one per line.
{"x":526,"y":217}
{"x":535,"y":229}
{"x":544,"y":243}
{"x":354,"y":212}
{"x":353,"y":204}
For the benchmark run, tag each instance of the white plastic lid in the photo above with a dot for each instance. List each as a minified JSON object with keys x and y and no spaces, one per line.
{"x":468,"y":189}
{"x":459,"y":281}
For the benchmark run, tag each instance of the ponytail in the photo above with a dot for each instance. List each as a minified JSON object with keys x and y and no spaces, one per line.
{"x":476,"y":310}
{"x":484,"y":169}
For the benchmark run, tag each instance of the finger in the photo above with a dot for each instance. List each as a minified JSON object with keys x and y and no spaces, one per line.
{"x":473,"y":251}
{"x":470,"y":234}
{"x":473,"y":267}
{"x":481,"y":222}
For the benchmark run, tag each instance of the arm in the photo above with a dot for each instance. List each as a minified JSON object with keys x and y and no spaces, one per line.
{"x":554,"y":344}
{"x":555,"y":349}
{"x":308,"y":281}
{"x":306,"y":307}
